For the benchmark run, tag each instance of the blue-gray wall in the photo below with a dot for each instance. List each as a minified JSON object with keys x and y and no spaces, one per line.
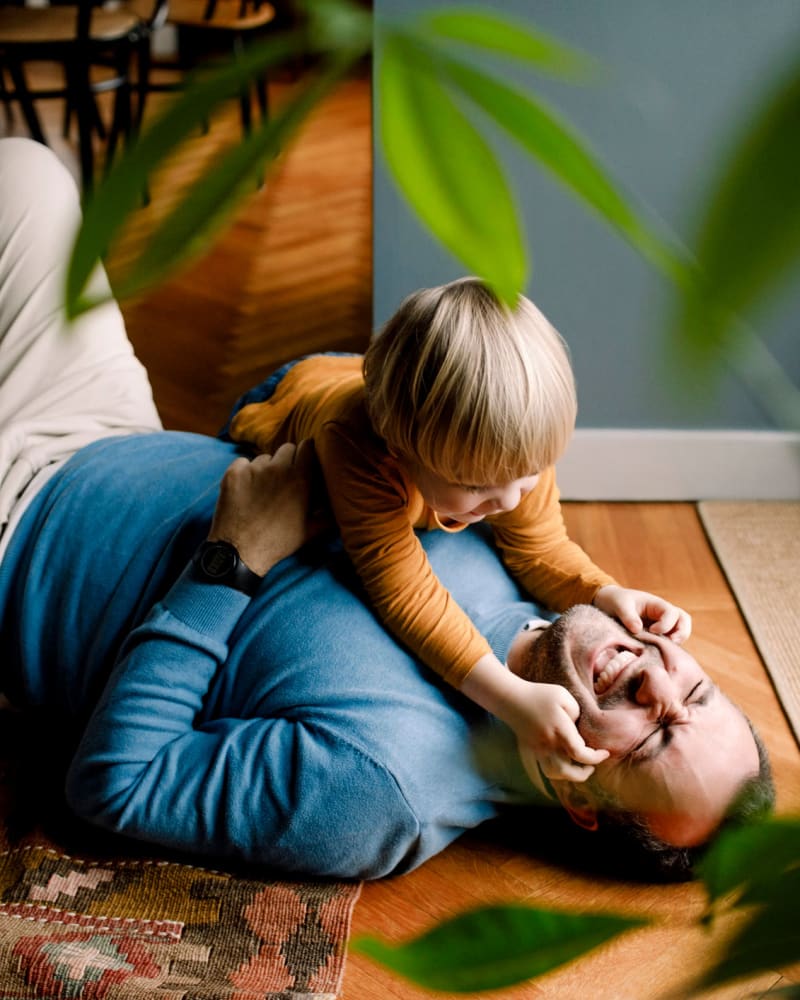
{"x":683,"y":75}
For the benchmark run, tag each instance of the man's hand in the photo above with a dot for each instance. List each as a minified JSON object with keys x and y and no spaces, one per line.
{"x":262,"y":507}
{"x":637,"y":610}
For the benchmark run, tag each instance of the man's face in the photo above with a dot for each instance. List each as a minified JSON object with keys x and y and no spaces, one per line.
{"x":679,"y":750}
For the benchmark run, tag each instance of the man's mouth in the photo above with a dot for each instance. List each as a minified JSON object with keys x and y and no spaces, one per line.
{"x":608,"y":665}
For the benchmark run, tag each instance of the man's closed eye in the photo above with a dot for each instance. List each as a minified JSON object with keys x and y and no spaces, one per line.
{"x":660,"y":737}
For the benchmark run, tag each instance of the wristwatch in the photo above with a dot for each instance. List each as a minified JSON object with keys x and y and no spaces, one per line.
{"x":220,"y":562}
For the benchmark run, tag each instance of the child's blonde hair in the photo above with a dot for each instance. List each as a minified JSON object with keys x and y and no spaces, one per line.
{"x":468,"y":388}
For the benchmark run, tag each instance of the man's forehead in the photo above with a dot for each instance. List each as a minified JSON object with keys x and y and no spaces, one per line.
{"x":713,"y":750}
{"x":687,"y":738}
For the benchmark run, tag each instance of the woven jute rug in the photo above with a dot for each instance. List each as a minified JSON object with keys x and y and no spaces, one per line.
{"x":81,"y":917}
{"x":758,"y":547}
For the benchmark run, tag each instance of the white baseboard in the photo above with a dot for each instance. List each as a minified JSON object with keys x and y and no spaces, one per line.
{"x":681,"y":465}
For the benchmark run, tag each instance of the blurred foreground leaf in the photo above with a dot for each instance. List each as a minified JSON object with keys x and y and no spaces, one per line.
{"x":440,"y":160}
{"x":745,"y":858}
{"x":510,"y":37}
{"x":766,"y":942}
{"x":120,"y":192}
{"x":751,"y":232}
{"x":494,"y":946}
{"x":568,"y":158}
{"x":447,"y":171}
{"x":208,"y":204}
{"x":760,"y":865}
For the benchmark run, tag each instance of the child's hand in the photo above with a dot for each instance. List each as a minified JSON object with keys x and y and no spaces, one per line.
{"x":546,"y":734}
{"x":541,"y":716}
{"x":638,"y":610}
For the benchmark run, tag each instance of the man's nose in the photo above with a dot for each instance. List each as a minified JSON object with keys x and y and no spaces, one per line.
{"x":657,"y":690}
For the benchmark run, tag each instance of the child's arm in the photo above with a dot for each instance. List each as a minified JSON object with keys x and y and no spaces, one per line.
{"x":539,"y":553}
{"x":638,"y":610}
{"x":558,"y":573}
{"x":542,"y":717}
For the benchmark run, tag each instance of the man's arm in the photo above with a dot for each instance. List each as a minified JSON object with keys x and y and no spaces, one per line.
{"x":153,"y":766}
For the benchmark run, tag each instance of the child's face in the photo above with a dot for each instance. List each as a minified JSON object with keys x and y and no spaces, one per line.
{"x":467,"y":503}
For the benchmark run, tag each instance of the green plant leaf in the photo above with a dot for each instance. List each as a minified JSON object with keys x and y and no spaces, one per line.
{"x":494,"y":946}
{"x":120,"y":191}
{"x":568,"y":158}
{"x":769,"y":940}
{"x":750,"y":236}
{"x":750,"y":855}
{"x":509,"y":37}
{"x":208,"y":204}
{"x":337,"y":26}
{"x":447,"y":172}
{"x":772,"y":886}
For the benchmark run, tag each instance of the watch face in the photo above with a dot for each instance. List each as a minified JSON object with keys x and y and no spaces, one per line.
{"x":218,"y":561}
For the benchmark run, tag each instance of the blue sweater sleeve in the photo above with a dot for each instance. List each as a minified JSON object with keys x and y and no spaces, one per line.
{"x":277,"y":790}
{"x":131,"y":771}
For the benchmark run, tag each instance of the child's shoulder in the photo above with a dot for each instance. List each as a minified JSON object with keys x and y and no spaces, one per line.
{"x":323,"y":370}
{"x":324,"y":388}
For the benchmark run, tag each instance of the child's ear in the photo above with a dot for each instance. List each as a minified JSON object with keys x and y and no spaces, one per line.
{"x":578,"y":802}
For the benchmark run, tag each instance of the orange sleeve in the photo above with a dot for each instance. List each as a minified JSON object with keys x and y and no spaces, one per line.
{"x":370,"y":505}
{"x":539,"y":554}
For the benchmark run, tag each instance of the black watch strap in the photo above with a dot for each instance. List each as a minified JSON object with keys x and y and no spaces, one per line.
{"x":220,"y":562}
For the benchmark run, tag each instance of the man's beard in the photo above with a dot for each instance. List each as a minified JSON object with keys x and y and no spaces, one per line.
{"x":547,"y":659}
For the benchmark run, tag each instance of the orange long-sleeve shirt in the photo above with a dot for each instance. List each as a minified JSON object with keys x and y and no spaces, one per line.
{"x":377,"y":509}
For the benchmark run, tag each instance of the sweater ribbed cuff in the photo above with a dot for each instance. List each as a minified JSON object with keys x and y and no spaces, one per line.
{"x":209,"y":608}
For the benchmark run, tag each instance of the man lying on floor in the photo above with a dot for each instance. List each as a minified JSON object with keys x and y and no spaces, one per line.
{"x":259,"y":711}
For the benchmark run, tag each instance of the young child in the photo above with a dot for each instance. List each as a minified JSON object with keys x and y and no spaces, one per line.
{"x":456,"y":413}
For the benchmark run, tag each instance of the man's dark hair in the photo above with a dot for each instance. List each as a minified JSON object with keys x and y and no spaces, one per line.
{"x":629,"y":834}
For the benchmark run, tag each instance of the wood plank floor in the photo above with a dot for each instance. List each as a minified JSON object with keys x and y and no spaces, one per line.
{"x":293,"y":274}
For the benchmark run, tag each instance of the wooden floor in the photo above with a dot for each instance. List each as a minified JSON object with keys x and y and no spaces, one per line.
{"x":293,"y":274}
{"x":662,"y":548}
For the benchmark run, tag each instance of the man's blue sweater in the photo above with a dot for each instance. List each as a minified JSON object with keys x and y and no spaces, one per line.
{"x":288,"y":729}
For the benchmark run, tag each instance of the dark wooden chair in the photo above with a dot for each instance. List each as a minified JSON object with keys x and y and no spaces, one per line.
{"x":213,"y":28}
{"x":96,"y":47}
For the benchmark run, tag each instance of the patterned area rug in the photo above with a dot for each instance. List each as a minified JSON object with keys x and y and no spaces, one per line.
{"x":95,"y":925}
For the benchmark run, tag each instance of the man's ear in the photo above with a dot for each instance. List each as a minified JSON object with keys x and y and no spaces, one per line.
{"x":578,"y":802}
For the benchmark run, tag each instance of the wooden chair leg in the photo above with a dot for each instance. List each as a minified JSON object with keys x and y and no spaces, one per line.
{"x":245,"y":98}
{"x":99,"y":124}
{"x":122,"y":122}
{"x":7,"y":105}
{"x":26,"y":102}
{"x":79,"y":93}
{"x":262,"y":95}
{"x":143,"y":64}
